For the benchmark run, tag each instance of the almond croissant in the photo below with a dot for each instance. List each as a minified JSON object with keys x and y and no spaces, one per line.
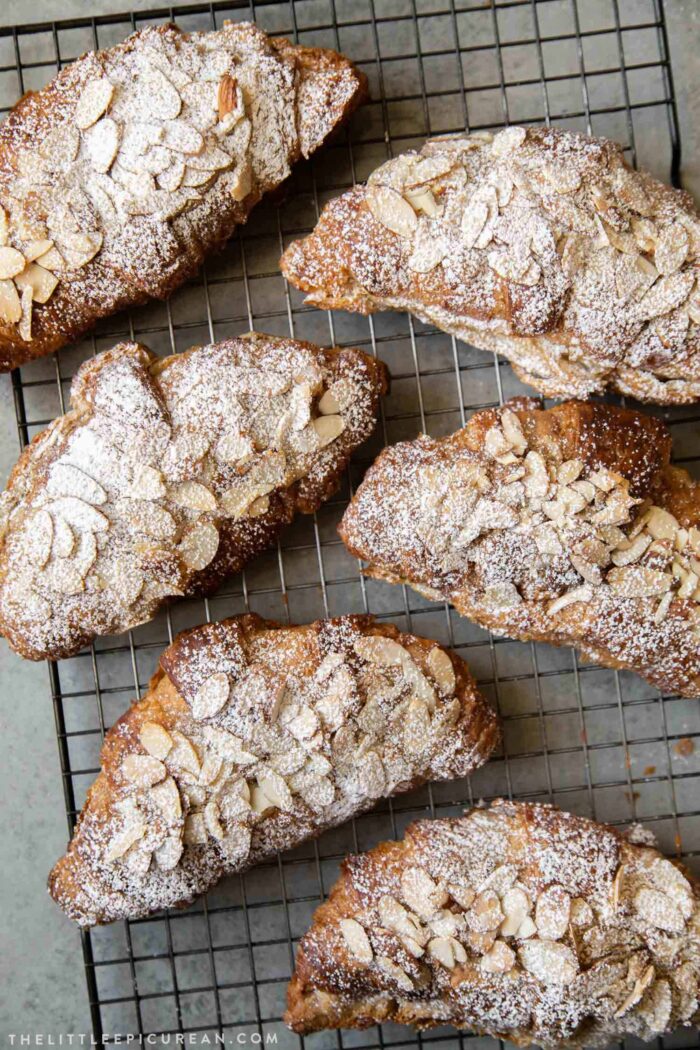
{"x":517,"y":921}
{"x":133,"y":164}
{"x":566,"y":526}
{"x":253,"y":737}
{"x":538,"y":243}
{"x":168,"y":475}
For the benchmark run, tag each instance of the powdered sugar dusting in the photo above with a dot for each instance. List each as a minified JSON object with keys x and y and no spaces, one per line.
{"x":539,"y":243}
{"x":531,"y":925}
{"x":167,"y":475}
{"x":254,"y":738}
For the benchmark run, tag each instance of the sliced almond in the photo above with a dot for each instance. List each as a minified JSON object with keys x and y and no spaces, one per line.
{"x":143,"y":770}
{"x":499,"y":959}
{"x":155,"y":739}
{"x":328,"y":428}
{"x":193,"y":495}
{"x":671,"y":248}
{"x":167,"y":855}
{"x":166,"y":796}
{"x":198,"y":546}
{"x":67,"y":480}
{"x":12,"y":262}
{"x":182,"y":137}
{"x":328,"y":405}
{"x":552,"y":913}
{"x":123,"y":842}
{"x":356,"y":940}
{"x":421,"y":893}
{"x":195,"y":833}
{"x":659,"y":910}
{"x":474,"y":219}
{"x":211,"y":820}
{"x":35,"y":249}
{"x":578,"y":594}
{"x":661,"y":524}
{"x":442,"y":671}
{"x":227,"y":95}
{"x":211,"y":696}
{"x":549,"y":961}
{"x":391,"y":210}
{"x":147,"y":483}
{"x":275,"y":789}
{"x":397,"y":974}
{"x":93,"y":102}
{"x":638,"y":581}
{"x":10,"y":305}
{"x":80,"y":248}
{"x":102,"y":143}
{"x":183,"y":754}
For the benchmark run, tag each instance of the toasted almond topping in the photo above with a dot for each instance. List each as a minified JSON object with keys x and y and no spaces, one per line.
{"x":391,"y":210}
{"x":549,"y":961}
{"x":155,"y":739}
{"x":143,"y":770}
{"x":199,"y":545}
{"x":195,"y":833}
{"x":356,"y":940}
{"x":227,"y":95}
{"x":167,"y":855}
{"x":211,"y":696}
{"x":328,"y":428}
{"x":10,"y":305}
{"x":167,"y":797}
{"x":93,"y":102}
{"x":12,"y":262}
{"x":441,"y":668}
{"x":659,"y":910}
{"x":552,"y":913}
{"x":193,"y":495}
{"x":124,"y":841}
{"x":499,"y":959}
{"x":393,"y":970}
{"x":421,"y":893}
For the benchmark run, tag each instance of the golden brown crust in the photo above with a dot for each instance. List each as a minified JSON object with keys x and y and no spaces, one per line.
{"x":539,"y":244}
{"x":286,"y":100}
{"x":313,"y":725}
{"x":579,"y":533}
{"x":167,"y":476}
{"x":560,"y":934}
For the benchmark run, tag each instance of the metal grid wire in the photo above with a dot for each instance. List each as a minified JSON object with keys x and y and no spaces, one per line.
{"x":593,"y":741}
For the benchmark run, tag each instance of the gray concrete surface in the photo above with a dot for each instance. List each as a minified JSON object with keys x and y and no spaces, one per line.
{"x":42,"y":986}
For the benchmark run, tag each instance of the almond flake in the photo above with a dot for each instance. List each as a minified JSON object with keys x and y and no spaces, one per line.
{"x":416,"y":727}
{"x":485,"y":913}
{"x":671,"y":249}
{"x":211,"y":820}
{"x":143,"y":770}
{"x":275,"y":789}
{"x":211,"y":696}
{"x":356,"y":940}
{"x":421,"y":893}
{"x":102,"y":142}
{"x":393,"y":970}
{"x":659,"y":910}
{"x":638,"y":581}
{"x":661,"y":524}
{"x":155,"y":739}
{"x":167,"y":797}
{"x":549,"y":961}
{"x":515,"y":904}
{"x":195,"y":833}
{"x":35,"y":249}
{"x":10,"y":305}
{"x":198,"y":546}
{"x":508,"y":141}
{"x":183,"y":754}
{"x":93,"y":102}
{"x":664,"y":296}
{"x":391,"y":210}
{"x":167,"y":855}
{"x":552,"y":913}
{"x":578,"y":594}
{"x":194,"y":496}
{"x":182,"y":137}
{"x":328,"y":428}
{"x":124,"y":841}
{"x":147,"y":483}
{"x":441,"y":949}
{"x":12,"y":262}
{"x":442,"y":670}
{"x":499,"y":959}
{"x":42,"y":282}
{"x":66,"y":480}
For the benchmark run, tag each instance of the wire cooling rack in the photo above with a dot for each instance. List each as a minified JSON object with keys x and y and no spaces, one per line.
{"x":593,"y":741}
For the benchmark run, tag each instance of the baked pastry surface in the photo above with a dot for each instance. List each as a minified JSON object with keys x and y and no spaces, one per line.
{"x":564,"y":525}
{"x":254,"y":736}
{"x":134,"y":163}
{"x":518,"y":921}
{"x":168,"y":475}
{"x":538,"y":243}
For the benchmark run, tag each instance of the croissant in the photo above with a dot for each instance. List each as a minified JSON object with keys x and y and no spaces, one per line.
{"x":517,"y":921}
{"x":168,"y":475}
{"x":254,"y":736}
{"x":538,"y":243}
{"x":134,"y":163}
{"x":564,"y":525}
